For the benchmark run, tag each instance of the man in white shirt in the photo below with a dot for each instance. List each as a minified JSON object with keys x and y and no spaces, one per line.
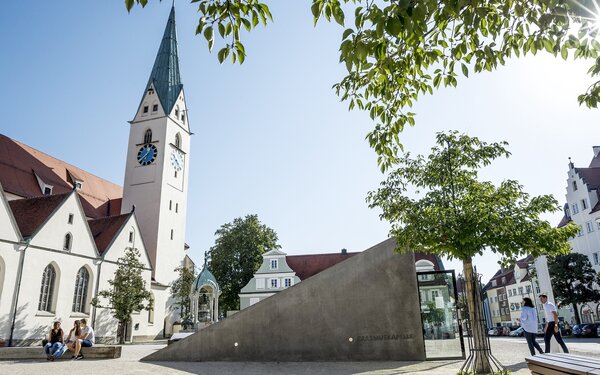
{"x":86,"y":339}
{"x":552,"y":327}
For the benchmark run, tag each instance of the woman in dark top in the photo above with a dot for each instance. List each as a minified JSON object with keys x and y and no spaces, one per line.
{"x":53,"y":348}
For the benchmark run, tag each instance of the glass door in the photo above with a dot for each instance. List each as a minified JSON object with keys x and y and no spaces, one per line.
{"x":442,"y":329}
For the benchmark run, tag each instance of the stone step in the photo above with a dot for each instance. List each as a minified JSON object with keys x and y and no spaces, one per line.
{"x":37,"y":352}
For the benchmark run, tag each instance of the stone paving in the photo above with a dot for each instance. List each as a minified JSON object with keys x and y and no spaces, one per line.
{"x":510,"y":351}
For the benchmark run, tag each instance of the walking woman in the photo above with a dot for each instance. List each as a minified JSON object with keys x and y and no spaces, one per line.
{"x":529,"y":322}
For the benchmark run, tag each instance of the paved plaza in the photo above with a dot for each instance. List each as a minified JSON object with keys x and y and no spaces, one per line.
{"x":510,"y":351}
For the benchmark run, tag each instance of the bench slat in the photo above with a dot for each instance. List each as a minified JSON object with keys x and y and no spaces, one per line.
{"x":562,"y":363}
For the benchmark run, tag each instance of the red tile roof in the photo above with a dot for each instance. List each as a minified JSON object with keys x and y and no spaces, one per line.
{"x":306,"y":266}
{"x":591,"y":177}
{"x":30,"y":214}
{"x":105,"y":229}
{"x":19,"y":165}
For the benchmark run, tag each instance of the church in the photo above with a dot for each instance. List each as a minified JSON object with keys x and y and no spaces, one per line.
{"x":62,"y":229}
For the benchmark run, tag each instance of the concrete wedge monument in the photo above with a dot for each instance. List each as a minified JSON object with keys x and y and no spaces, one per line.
{"x":365,"y":308}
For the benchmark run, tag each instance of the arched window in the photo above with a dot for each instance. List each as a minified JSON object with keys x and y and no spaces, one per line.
{"x":176,"y":111}
{"x":47,"y":289}
{"x":81,"y":287}
{"x":151,"y":309}
{"x":68,"y":241}
{"x":177,"y":140}
{"x":148,"y":136}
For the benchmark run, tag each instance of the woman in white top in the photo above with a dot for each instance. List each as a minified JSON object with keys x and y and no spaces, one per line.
{"x":529,"y":322}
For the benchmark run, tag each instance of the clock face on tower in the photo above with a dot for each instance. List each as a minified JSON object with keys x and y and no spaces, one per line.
{"x":177,"y":160}
{"x":147,"y":154}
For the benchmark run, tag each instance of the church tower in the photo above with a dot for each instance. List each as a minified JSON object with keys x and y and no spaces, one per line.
{"x":156,"y":174}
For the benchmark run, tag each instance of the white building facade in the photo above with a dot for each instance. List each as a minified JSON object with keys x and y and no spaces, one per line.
{"x":274,"y":275}
{"x":62,"y":230}
{"x":583,"y":208}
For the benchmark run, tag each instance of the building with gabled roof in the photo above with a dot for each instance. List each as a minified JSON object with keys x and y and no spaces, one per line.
{"x":582,"y":207}
{"x":63,"y":229}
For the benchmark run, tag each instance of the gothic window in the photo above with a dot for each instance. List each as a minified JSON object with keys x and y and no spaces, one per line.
{"x":183,"y":117}
{"x":131,"y":237}
{"x":151,"y":310}
{"x":67,"y":242}
{"x":177,"y":140}
{"x":47,"y":289}
{"x":81,"y":287}
{"x":148,"y":136}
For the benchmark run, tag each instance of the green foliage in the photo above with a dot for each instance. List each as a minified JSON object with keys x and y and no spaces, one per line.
{"x":397,"y":51}
{"x":181,"y":289}
{"x":128,"y":288}
{"x":237,"y":254}
{"x":459,"y":216}
{"x":573,"y":279}
{"x":433,"y":314}
{"x":228,"y":18}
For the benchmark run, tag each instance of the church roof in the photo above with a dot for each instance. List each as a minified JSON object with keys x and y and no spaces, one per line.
{"x":165,"y":72}
{"x":20,"y":164}
{"x":31,"y":213}
{"x":105,"y":229}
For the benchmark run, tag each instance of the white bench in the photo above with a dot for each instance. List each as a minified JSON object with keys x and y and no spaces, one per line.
{"x":562,"y":363}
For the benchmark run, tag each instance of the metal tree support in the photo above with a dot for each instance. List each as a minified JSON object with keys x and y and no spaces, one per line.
{"x":469,"y":364}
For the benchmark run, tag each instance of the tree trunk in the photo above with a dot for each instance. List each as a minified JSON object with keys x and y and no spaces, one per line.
{"x":480,"y":344}
{"x":576,"y":312}
{"x":121,"y":332}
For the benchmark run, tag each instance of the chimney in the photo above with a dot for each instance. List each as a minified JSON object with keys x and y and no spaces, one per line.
{"x":344,"y":251}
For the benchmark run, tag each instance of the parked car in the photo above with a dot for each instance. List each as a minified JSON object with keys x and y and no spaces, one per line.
{"x":517,"y":332}
{"x":493,"y":332}
{"x":577,"y":328}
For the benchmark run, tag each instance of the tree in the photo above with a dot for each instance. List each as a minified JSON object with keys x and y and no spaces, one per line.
{"x":573,"y":281}
{"x":237,"y":254}
{"x":396,"y":51}
{"x":128,"y":291}
{"x":181,"y":289}
{"x":454,"y":214}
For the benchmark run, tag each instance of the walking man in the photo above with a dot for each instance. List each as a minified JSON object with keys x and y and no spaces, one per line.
{"x":552,"y":327}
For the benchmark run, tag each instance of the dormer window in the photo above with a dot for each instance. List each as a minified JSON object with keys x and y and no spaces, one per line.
{"x":47,"y":190}
{"x":78,"y":185}
{"x":148,"y":136}
{"x":273,"y":264}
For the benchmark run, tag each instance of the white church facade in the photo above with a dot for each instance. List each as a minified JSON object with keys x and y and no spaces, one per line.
{"x":63,"y":229}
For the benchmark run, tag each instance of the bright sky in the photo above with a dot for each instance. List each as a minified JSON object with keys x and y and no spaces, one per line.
{"x":271,"y":137}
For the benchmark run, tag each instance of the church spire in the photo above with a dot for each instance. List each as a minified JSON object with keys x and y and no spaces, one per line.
{"x":165,"y":72}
